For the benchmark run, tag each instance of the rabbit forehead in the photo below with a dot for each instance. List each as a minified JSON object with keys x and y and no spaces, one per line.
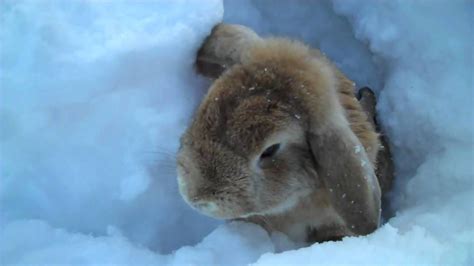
{"x":244,"y":113}
{"x":255,"y":120}
{"x":246,"y":126}
{"x":253,"y":101}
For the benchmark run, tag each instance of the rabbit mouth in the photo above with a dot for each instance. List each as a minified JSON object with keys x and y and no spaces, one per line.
{"x":207,"y":207}
{"x":220,"y":208}
{"x":215,"y":210}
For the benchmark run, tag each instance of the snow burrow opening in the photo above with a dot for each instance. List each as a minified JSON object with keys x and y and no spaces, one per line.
{"x":94,"y":97}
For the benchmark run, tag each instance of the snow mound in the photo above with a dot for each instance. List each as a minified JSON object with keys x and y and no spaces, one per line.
{"x":34,"y":242}
{"x":94,"y":96}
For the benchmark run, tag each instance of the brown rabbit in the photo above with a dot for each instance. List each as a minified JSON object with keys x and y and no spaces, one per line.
{"x":280,"y":140}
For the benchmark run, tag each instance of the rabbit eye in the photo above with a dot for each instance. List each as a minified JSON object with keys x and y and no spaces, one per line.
{"x":270,"y":151}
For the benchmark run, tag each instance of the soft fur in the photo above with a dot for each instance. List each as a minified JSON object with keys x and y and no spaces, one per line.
{"x":321,"y":183}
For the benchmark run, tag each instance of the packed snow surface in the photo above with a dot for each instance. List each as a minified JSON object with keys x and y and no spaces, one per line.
{"x":95,"y":94}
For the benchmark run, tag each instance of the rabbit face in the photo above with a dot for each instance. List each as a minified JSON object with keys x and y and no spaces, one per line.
{"x":246,"y":151}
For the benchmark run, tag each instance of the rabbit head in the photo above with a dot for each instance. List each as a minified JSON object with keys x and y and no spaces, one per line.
{"x":246,"y":151}
{"x":272,"y":130}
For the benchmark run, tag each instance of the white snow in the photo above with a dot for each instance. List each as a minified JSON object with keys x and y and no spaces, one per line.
{"x":357,"y":149}
{"x":94,"y":96}
{"x":47,"y":245}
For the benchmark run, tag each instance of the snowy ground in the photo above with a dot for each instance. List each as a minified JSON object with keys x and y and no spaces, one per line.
{"x":94,"y":96}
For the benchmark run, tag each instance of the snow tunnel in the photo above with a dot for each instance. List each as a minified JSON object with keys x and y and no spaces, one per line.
{"x":94,"y":97}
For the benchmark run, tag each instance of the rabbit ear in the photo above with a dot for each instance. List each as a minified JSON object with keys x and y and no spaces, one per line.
{"x":347,"y":173}
{"x":226,"y":46}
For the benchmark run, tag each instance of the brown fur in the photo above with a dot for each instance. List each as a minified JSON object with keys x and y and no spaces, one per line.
{"x":321,"y":183}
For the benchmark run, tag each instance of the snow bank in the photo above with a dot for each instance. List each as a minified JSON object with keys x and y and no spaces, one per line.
{"x":93,"y":97}
{"x":46,"y":245}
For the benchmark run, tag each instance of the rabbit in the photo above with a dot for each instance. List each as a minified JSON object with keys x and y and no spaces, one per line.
{"x":279,"y":140}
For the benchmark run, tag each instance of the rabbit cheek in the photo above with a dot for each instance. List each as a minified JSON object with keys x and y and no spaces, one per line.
{"x":183,"y":184}
{"x":183,"y":188}
{"x":286,"y":187}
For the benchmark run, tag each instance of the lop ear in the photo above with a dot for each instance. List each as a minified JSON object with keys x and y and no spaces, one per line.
{"x":224,"y":47}
{"x":346,"y":171}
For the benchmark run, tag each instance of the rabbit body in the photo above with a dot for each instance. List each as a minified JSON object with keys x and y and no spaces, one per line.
{"x":280,"y":140}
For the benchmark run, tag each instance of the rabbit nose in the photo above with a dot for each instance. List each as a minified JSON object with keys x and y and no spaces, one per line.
{"x":206,"y":206}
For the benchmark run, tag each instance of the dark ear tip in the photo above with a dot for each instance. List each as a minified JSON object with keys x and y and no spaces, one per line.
{"x":209,"y":68}
{"x":365,"y":92}
{"x":207,"y":64}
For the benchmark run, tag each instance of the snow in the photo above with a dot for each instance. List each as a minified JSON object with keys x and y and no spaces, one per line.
{"x":59,"y":247}
{"x":94,"y":96}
